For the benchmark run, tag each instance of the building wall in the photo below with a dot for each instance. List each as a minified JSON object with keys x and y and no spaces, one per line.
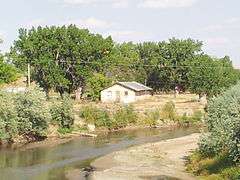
{"x":117,"y":93}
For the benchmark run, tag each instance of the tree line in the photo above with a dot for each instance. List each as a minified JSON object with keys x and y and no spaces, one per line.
{"x":69,"y":59}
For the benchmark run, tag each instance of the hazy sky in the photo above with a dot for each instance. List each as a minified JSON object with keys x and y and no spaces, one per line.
{"x":215,"y":22}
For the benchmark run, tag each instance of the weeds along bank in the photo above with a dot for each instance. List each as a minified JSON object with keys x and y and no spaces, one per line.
{"x":30,"y":116}
{"x":218,"y":156}
{"x":124,"y":116}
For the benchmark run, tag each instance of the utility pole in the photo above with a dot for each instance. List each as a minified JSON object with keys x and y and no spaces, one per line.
{"x":29,"y":75}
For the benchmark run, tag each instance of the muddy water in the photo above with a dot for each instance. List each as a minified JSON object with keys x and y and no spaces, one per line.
{"x":56,"y":162}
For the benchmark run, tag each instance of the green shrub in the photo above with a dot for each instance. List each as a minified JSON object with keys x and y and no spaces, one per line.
{"x":62,"y":112}
{"x":197,"y":116}
{"x":98,"y":117}
{"x":232,"y":173}
{"x":223,"y":123}
{"x":124,"y":116}
{"x":64,"y":131}
{"x":205,"y":166}
{"x":33,"y":113}
{"x":8,"y":117}
{"x":152,"y":118}
{"x":168,"y":111}
{"x":185,"y":119}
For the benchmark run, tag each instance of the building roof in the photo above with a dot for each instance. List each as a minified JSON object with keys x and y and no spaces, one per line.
{"x":135,"y":86}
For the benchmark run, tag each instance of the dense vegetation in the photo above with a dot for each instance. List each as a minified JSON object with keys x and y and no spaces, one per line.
{"x":29,"y":115}
{"x":220,"y":145}
{"x":69,"y":59}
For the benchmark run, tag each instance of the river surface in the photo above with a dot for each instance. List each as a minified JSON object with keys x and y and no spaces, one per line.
{"x":55,"y":162}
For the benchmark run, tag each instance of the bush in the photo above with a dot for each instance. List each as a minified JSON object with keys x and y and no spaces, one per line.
{"x":201,"y":165}
{"x":124,"y":116}
{"x":98,"y":117}
{"x":231,"y":173}
{"x":62,"y":112}
{"x":8,"y":117}
{"x":223,"y":123}
{"x":196,"y":117}
{"x":101,"y":118}
{"x":152,"y":118}
{"x":33,"y":113}
{"x":168,"y":111}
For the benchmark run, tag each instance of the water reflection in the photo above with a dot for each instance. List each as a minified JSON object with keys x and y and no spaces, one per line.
{"x":55,"y":162}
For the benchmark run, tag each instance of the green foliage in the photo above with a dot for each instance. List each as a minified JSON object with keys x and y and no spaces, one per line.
{"x":8,"y":117}
{"x":223,"y":125}
{"x":33,"y":113}
{"x":62,"y":112}
{"x":101,"y":118}
{"x":95,"y":85}
{"x":62,"y":58}
{"x":152,"y":118}
{"x":64,"y":131}
{"x":168,"y":62}
{"x":197,"y":116}
{"x":211,"y":76}
{"x":194,"y":118}
{"x":217,"y":167}
{"x":124,"y":116}
{"x":98,"y":117}
{"x":168,"y":111}
{"x":68,"y":58}
{"x":8,"y":73}
{"x":231,"y":173}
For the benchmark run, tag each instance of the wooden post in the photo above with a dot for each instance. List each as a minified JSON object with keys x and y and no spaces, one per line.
{"x":29,"y":75}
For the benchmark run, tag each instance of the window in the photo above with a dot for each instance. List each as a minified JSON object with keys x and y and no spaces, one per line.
{"x":126,"y":93}
{"x":109,"y":94}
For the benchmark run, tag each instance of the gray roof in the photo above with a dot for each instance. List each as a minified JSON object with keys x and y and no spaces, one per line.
{"x":135,"y":86}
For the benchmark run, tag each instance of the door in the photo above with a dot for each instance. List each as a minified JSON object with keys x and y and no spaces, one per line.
{"x":118,"y":98}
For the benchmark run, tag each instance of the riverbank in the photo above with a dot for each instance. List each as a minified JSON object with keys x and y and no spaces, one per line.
{"x":165,"y":159}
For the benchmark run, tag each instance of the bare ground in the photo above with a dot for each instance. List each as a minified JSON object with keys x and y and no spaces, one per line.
{"x":162,"y":160}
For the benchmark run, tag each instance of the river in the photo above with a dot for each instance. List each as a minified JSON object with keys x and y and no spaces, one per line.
{"x":54,"y":162}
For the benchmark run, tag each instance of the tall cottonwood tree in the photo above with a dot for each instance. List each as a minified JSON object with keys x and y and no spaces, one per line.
{"x":61,"y":57}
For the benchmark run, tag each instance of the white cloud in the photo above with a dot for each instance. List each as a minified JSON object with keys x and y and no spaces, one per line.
{"x":216,"y":41}
{"x":231,"y":23}
{"x":91,"y":23}
{"x":121,"y":4}
{"x":166,"y":3}
{"x":113,"y":3}
{"x":129,"y":35}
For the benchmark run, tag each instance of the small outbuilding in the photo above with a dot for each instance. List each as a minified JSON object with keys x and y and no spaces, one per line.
{"x":125,"y":92}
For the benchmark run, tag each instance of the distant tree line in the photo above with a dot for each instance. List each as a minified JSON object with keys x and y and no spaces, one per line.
{"x":69,"y":59}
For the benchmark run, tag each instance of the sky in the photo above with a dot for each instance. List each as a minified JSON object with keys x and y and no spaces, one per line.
{"x":215,"y":22}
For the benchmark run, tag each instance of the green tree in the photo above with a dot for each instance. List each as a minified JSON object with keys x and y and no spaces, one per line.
{"x":61,"y":57}
{"x":8,"y":72}
{"x":209,"y":76}
{"x":167,"y":63}
{"x":95,"y":85}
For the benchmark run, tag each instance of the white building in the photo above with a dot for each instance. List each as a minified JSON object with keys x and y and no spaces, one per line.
{"x":125,"y":92}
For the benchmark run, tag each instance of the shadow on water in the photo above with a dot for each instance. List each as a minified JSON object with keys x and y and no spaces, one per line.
{"x":55,"y":162}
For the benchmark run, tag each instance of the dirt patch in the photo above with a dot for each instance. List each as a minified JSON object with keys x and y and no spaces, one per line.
{"x":162,"y":160}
